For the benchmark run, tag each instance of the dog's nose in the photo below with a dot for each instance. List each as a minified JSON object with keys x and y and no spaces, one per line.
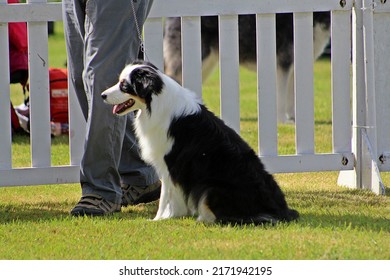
{"x":104,"y":96}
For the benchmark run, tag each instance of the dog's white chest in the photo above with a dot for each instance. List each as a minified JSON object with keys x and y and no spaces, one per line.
{"x":155,"y":144}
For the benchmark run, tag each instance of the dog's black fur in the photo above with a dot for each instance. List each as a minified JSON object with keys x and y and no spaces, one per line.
{"x":209,"y":157}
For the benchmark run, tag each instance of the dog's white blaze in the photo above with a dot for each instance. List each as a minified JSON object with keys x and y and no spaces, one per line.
{"x":114,"y":95}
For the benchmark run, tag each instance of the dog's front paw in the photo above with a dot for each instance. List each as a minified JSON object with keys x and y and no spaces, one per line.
{"x":162,"y":215}
{"x":169,"y":214}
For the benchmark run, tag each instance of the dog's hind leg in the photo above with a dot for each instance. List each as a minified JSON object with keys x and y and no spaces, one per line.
{"x":205,"y":215}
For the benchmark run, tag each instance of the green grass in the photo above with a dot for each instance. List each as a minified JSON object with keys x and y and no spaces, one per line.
{"x":335,"y":223}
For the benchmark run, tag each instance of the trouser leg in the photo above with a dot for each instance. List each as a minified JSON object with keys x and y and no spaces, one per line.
{"x":109,"y":43}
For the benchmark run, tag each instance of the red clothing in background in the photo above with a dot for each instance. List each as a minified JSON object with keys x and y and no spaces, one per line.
{"x":18,"y":47}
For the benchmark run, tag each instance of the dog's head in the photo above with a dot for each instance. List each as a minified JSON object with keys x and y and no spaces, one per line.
{"x":137,"y":84}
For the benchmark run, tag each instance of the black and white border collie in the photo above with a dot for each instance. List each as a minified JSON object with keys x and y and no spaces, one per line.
{"x":206,"y":168}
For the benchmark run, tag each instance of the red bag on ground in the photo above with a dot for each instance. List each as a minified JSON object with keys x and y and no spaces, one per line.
{"x":58,"y":95}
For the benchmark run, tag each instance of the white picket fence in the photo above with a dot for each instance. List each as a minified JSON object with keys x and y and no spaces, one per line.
{"x":360,"y":151}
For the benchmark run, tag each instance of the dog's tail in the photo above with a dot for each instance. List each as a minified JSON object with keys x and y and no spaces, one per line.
{"x":291,"y":215}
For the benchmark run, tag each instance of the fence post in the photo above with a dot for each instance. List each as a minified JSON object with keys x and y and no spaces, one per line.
{"x":364,"y":139}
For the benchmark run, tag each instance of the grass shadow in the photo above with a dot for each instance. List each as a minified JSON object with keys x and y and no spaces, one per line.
{"x":21,"y":139}
{"x":32,"y":212}
{"x":323,"y":122}
{"x":387,"y":191}
{"x":47,"y":211}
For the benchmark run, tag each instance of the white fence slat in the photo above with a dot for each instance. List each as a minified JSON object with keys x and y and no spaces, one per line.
{"x":153,"y":37}
{"x":176,"y":8}
{"x":5,"y":117}
{"x":303,"y":70}
{"x":229,"y":71}
{"x":266,"y":77}
{"x":341,"y":97}
{"x":39,"y":94}
{"x":191,"y":54}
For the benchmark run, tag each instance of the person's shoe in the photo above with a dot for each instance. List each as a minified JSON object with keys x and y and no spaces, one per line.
{"x":94,"y":205}
{"x":133,"y":195}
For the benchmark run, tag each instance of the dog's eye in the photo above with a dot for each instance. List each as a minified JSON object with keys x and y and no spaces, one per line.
{"x":124,"y":86}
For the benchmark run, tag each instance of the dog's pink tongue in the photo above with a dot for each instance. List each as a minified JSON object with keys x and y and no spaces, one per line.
{"x":116,"y":108}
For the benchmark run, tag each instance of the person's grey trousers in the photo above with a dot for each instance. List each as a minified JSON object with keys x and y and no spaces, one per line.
{"x":101,"y":38}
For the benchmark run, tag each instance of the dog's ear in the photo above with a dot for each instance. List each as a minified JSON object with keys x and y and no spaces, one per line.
{"x":145,"y":81}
